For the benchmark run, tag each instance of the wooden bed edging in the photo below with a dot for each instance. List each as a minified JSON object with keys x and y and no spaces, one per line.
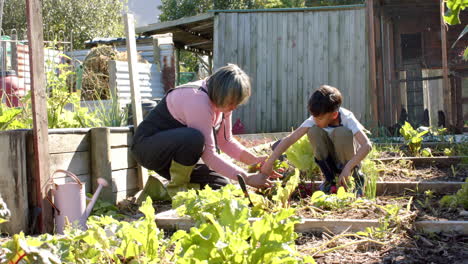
{"x":401,"y":187}
{"x":441,"y":161}
{"x":170,"y":220}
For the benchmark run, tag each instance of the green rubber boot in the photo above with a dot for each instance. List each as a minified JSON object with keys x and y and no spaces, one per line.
{"x":180,"y":179}
{"x":155,"y":189}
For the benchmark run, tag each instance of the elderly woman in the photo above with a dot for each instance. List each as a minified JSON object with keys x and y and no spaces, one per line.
{"x":193,"y":121}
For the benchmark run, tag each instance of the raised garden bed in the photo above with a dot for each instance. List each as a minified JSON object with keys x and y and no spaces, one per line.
{"x":171,"y":221}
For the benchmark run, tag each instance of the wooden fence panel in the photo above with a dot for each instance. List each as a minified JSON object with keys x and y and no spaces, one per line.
{"x":290,"y":55}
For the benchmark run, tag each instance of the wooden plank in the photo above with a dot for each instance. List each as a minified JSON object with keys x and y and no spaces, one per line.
{"x":60,"y":143}
{"x":324,"y":41}
{"x":268,"y":70}
{"x":248,"y":69}
{"x":440,"y":161}
{"x":274,"y":73}
{"x":363,"y":66}
{"x":372,"y":62}
{"x":294,"y":64}
{"x":217,"y":32}
{"x":121,"y":139}
{"x":258,"y":81}
{"x":134,"y":84}
{"x":101,"y":163}
{"x":122,"y":195}
{"x":39,"y":111}
{"x":239,"y":56}
{"x":308,"y":68}
{"x":442,"y":226}
{"x":284,"y":74}
{"x":251,"y":120}
{"x":300,"y":69}
{"x":14,"y":182}
{"x":446,"y":83}
{"x":121,"y":158}
{"x":289,"y":72}
{"x":123,"y":180}
{"x":75,"y":162}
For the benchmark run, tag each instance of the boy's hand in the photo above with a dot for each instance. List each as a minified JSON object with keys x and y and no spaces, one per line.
{"x":267,"y":169}
{"x":343,"y":179}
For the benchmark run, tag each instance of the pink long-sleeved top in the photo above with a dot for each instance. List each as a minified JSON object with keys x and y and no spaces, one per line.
{"x":193,"y":108}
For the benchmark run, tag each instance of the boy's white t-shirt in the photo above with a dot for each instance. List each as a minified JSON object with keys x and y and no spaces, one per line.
{"x":347,"y":120}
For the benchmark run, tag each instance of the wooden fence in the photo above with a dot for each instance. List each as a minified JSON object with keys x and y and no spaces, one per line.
{"x":288,"y":55}
{"x":88,"y":153}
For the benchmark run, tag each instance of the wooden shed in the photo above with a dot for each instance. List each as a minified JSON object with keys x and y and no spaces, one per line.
{"x":414,"y":64}
{"x":384,"y":56}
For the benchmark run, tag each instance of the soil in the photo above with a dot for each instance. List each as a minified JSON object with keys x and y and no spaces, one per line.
{"x":405,"y":249}
{"x":404,"y":171}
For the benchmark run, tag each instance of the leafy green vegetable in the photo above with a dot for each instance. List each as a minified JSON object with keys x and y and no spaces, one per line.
{"x":301,"y":155}
{"x":413,"y":138}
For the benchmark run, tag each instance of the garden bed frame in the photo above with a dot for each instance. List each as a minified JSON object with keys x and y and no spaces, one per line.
{"x":169,"y":220}
{"x":89,"y":153}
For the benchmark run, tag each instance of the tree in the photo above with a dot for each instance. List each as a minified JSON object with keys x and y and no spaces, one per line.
{"x":175,"y":9}
{"x":87,"y":19}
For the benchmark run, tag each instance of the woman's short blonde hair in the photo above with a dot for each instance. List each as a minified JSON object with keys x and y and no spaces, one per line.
{"x":229,"y":86}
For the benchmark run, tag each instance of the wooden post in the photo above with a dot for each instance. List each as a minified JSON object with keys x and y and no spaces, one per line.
{"x":166,"y":59}
{"x":134,"y":85}
{"x":39,"y":110}
{"x":101,"y":165}
{"x":177,"y":60}
{"x":372,"y":63}
{"x":14,"y":53}
{"x":446,"y":83}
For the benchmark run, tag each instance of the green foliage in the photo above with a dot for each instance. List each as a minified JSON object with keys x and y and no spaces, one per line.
{"x":369,"y":168}
{"x":454,"y":7}
{"x":277,"y":197}
{"x":195,"y":203}
{"x":8,"y":116}
{"x":458,"y":199}
{"x":104,"y":208}
{"x":426,"y":152}
{"x":106,"y":241}
{"x":413,"y":138}
{"x":301,"y":155}
{"x":231,"y":239}
{"x":87,"y":19}
{"x":452,"y":17}
{"x":339,"y":200}
{"x":4,"y":211}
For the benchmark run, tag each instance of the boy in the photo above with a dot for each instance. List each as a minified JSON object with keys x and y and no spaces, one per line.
{"x":331,"y":131}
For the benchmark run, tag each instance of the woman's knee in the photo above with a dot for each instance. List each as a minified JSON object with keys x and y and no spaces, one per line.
{"x":194,"y":140}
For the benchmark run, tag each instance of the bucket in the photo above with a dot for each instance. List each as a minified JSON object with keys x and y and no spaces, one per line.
{"x":11,"y":88}
{"x":69,"y":202}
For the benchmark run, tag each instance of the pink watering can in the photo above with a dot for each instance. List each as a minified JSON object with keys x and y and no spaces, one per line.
{"x":70,"y":201}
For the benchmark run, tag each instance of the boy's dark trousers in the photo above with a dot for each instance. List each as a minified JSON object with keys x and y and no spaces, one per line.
{"x":333,"y":151}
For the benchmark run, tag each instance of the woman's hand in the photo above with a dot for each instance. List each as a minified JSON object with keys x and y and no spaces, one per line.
{"x":260,"y":159}
{"x":258,"y":180}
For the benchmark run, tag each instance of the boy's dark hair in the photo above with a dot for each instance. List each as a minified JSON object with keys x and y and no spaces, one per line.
{"x":326,"y":99}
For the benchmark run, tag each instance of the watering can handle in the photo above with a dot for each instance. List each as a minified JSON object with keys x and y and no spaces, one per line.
{"x":68,"y":174}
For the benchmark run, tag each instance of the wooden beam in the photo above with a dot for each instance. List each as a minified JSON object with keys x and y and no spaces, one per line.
{"x":199,"y":43}
{"x":39,"y":110}
{"x":445,"y":83}
{"x":134,"y":85}
{"x":151,"y":29}
{"x":372,"y":62}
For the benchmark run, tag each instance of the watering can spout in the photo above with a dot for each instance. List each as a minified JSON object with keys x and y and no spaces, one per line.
{"x":101,"y":183}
